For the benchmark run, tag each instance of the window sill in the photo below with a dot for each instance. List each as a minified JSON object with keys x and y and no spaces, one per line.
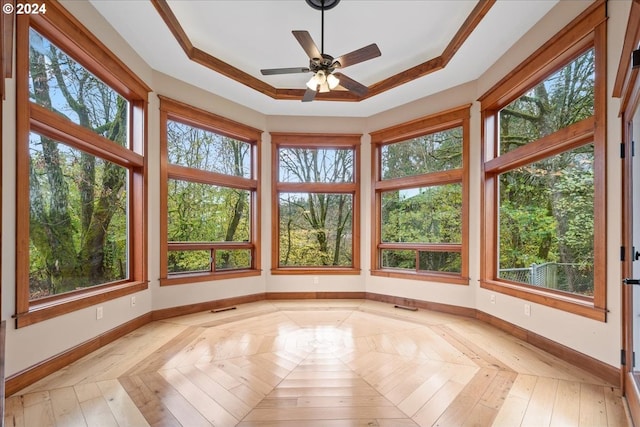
{"x":190,"y":278}
{"x":45,"y":310}
{"x":448,"y":278}
{"x":582,"y":306}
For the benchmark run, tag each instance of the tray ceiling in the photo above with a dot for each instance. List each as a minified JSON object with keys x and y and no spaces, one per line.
{"x":240,"y":37}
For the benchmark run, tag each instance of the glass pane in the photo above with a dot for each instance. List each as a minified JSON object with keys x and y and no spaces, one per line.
{"x":315,"y":229}
{"x":233,"y":259}
{"x":423,"y":215}
{"x":60,"y":84}
{"x":207,"y":213}
{"x":392,"y":258}
{"x":200,"y":149}
{"x":189,"y":261}
{"x":429,"y":153}
{"x":564,"y":98}
{"x":448,"y":262}
{"x":78,"y":219}
{"x":315,"y":165}
{"x":546,"y":222}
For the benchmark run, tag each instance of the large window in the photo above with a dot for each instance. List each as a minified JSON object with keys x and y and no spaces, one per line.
{"x":81,"y":224}
{"x":544,"y":171}
{"x":210,"y":212}
{"x":420,"y":176}
{"x":316,"y":203}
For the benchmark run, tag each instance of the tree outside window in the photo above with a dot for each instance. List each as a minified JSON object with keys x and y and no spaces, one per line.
{"x":80,"y":170}
{"x":315,"y":203}
{"x":209,"y":196}
{"x":543,"y":229}
{"x":420,"y":207}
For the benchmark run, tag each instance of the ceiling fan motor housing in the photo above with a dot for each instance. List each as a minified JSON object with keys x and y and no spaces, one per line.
{"x":323,"y":4}
{"x":326,"y":64}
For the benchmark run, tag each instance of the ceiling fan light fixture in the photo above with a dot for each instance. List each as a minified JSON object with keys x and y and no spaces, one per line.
{"x":318,"y":79}
{"x":332,"y":81}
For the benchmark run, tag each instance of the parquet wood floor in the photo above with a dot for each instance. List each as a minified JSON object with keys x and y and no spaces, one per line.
{"x":327,"y":363}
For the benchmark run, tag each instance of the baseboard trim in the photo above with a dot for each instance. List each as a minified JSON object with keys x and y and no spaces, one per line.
{"x":314,"y":295}
{"x":424,"y":305}
{"x":167,"y":313}
{"x":609,"y":373}
{"x":28,"y":376}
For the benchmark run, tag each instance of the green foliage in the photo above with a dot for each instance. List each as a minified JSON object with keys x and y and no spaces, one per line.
{"x":423,"y":215}
{"x":315,"y":228}
{"x":199,"y":212}
{"x":197,"y":148}
{"x":564,"y":98}
{"x":78,"y":224}
{"x":547,"y":208}
{"x":433,"y":152}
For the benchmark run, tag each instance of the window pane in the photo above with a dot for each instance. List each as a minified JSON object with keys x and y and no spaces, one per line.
{"x":564,"y":98}
{"x":547,"y":220}
{"x":449,"y":262}
{"x":392,"y":258}
{"x":316,"y":165}
{"x":423,"y":215}
{"x":233,"y":259}
{"x":207,"y":213}
{"x":78,"y":219}
{"x":429,"y":153}
{"x":315,"y":229}
{"x":60,"y":84}
{"x":200,"y":149}
{"x":189,"y":261}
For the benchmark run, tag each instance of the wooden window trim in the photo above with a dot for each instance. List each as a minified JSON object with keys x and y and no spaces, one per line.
{"x":186,"y":114}
{"x":587,"y":31}
{"x":62,"y":29}
{"x":455,"y":117}
{"x":318,"y":141}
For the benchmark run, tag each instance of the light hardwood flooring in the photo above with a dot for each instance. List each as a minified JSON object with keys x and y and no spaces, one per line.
{"x":318,"y":363}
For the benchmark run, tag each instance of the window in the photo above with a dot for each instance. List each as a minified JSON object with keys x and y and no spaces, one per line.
{"x":544,"y":172}
{"x":420,"y":207}
{"x":316,"y":203}
{"x":209,"y":204}
{"x":81,"y":223}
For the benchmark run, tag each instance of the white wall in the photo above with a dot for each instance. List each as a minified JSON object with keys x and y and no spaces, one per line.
{"x":33,"y":344}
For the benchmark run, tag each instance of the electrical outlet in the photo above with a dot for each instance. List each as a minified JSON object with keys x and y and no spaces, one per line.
{"x":133,"y":301}
{"x":527,"y":310}
{"x":99,"y":313}
{"x":492,"y":298}
{"x":316,"y":280}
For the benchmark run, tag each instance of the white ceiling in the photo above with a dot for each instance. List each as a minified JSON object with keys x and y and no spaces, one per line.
{"x":255,"y":34}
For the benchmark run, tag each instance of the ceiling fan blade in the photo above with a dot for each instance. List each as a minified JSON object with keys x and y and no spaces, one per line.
{"x":293,"y":70}
{"x":352,"y":85}
{"x":305,"y":40}
{"x":360,"y":55}
{"x":309,"y":95}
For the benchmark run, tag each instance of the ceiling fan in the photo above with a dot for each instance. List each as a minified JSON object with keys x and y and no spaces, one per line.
{"x":323,"y":66}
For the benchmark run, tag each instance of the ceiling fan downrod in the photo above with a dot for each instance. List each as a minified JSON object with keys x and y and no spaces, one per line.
{"x":322,"y":5}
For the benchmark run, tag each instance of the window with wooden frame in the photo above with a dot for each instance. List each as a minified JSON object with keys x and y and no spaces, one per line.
{"x":81,"y":170}
{"x":315,"y":203}
{"x":419,"y":173}
{"x":544,"y":144}
{"x":210,"y":211}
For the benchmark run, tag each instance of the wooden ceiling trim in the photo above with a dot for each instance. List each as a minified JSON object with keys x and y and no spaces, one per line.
{"x":403,"y":77}
{"x":473,"y":20}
